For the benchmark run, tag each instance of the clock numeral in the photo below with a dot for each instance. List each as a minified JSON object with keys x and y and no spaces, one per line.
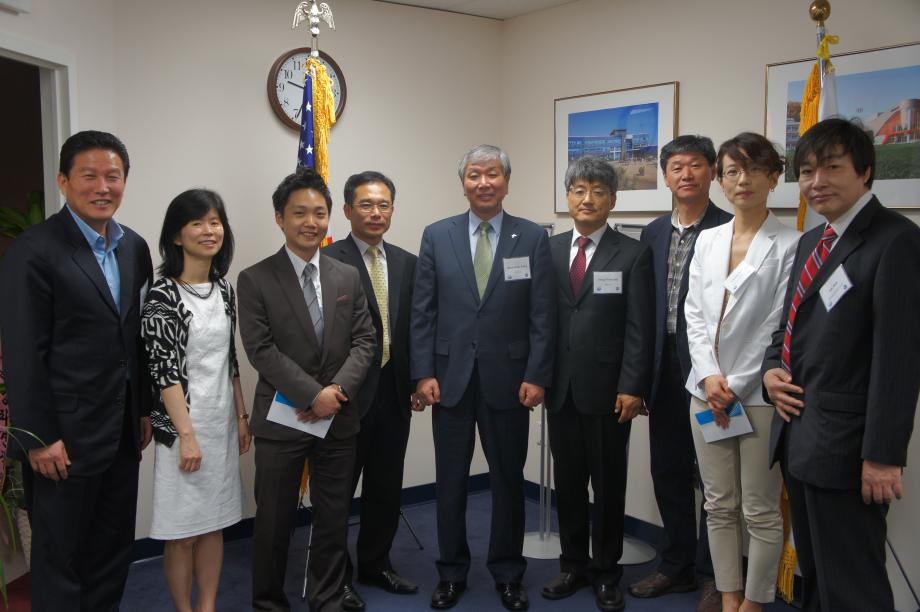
{"x":288,"y":74}
{"x":280,"y":86}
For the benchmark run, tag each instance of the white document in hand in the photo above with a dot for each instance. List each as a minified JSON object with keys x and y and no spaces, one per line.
{"x":738,"y":424}
{"x":283,"y":412}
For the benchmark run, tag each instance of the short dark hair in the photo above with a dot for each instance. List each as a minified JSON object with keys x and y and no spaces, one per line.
{"x":827,"y":138}
{"x":186,"y":207}
{"x":593,"y":170}
{"x":303,"y":178}
{"x":688,"y":143}
{"x":87,"y":141}
{"x":750,"y":149}
{"x":362,"y":178}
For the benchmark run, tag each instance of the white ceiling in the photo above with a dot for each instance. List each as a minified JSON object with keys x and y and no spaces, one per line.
{"x":493,"y":9}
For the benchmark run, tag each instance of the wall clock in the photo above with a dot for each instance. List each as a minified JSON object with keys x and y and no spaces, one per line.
{"x":285,"y":85}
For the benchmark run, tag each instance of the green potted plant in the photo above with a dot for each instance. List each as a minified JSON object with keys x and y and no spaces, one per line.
{"x":13,"y":516}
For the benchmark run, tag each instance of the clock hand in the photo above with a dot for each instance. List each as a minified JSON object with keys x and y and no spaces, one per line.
{"x":295,"y":84}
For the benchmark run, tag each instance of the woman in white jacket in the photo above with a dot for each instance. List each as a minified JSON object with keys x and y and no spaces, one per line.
{"x":737,"y":283}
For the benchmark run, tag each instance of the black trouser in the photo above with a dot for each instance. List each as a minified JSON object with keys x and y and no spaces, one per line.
{"x":381,"y":454}
{"x":590,"y":447}
{"x":279,"y":466}
{"x":503,"y":434}
{"x":83,"y":533}
{"x":840,"y":544}
{"x":675,"y":475}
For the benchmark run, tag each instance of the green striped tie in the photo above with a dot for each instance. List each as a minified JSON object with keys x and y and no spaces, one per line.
{"x":482,"y":261}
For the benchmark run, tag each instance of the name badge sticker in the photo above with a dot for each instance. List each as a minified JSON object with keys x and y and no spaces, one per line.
{"x":607,"y":283}
{"x":837,"y":284}
{"x":740,"y":274}
{"x":516,"y":268}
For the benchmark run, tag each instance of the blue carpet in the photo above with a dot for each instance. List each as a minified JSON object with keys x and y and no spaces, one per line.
{"x":146,"y":590}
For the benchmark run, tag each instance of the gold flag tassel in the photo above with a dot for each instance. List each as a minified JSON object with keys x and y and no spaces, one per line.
{"x":323,"y":115}
{"x":811,"y":104}
{"x":785,"y":578}
{"x":304,"y":479}
{"x":808,"y":116}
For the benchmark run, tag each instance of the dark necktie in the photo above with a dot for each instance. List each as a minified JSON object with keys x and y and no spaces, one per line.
{"x":579,"y":264}
{"x":309,"y":295}
{"x":482,"y":259}
{"x":812,"y":265}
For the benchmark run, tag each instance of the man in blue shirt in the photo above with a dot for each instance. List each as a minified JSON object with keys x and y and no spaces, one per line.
{"x":77,"y":378}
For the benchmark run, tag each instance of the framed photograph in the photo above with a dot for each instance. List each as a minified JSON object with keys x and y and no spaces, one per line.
{"x":627,"y":127}
{"x":881,"y":88}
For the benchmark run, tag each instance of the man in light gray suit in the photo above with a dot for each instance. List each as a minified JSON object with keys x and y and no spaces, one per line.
{"x":306,"y":329}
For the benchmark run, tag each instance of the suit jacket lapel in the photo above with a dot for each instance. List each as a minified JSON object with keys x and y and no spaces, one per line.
{"x":507,"y":241}
{"x":846,"y":244}
{"x":290,"y":287}
{"x":460,"y":241}
{"x":351,"y":255}
{"x":125,"y":256}
{"x":560,"y":251}
{"x":83,"y":256}
{"x":330,"y":284}
{"x":394,"y":282}
{"x":757,"y":252}
{"x":603,"y":253}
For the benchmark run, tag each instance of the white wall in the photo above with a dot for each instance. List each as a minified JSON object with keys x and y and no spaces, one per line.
{"x":183,"y":83}
{"x":718,"y":51}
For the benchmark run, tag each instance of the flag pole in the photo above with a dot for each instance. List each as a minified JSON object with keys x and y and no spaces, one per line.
{"x":820,"y":10}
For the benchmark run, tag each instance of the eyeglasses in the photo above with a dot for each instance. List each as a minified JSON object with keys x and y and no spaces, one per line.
{"x":733,"y":175}
{"x":596,"y":194}
{"x":368,"y":207}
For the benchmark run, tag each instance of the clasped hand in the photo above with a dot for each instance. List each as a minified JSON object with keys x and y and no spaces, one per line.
{"x":328,"y":403}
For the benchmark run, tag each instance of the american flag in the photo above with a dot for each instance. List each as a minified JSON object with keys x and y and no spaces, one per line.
{"x":305,"y":149}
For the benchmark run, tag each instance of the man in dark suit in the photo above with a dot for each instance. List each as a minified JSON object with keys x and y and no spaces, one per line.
{"x":388,"y":275}
{"x":77,"y":379}
{"x":307,"y":331}
{"x":603,"y":370}
{"x":483,"y":323}
{"x":688,"y":164}
{"x":841,"y":371}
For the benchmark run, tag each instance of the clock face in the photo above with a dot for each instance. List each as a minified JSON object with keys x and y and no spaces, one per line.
{"x":285,"y":85}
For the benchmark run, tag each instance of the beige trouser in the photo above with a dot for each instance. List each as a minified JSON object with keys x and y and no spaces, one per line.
{"x":737,"y":481}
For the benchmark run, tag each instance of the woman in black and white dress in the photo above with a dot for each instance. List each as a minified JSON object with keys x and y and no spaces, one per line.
{"x":188,"y":326}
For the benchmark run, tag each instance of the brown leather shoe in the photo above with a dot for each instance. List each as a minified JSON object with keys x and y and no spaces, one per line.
{"x":658,"y":584}
{"x":710,"y":598}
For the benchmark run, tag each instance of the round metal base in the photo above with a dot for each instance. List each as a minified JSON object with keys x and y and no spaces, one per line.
{"x":636,"y":552}
{"x":539,"y":545}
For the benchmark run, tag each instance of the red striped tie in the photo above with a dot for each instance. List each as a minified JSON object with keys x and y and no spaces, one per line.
{"x":579,"y":264}
{"x":812,"y":265}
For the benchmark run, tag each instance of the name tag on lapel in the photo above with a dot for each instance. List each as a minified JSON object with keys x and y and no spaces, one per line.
{"x":834,"y":288}
{"x":606,"y":283}
{"x":740,"y":274}
{"x":516,"y":268}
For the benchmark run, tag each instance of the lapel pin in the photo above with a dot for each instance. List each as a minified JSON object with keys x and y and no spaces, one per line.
{"x":514,"y":235}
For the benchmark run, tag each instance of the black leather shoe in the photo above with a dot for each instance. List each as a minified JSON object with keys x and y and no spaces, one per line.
{"x":447,"y":594}
{"x":659,"y":584}
{"x":389,"y":581}
{"x":351,"y":601}
{"x":563,"y":585}
{"x":514,"y":597}
{"x":609,"y":597}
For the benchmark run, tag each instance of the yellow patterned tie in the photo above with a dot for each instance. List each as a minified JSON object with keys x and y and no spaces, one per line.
{"x":379,"y":282}
{"x":482,"y":260}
